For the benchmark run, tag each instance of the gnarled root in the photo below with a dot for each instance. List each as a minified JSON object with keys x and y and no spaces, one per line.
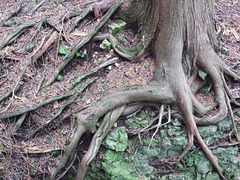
{"x":111,"y":106}
{"x":108,"y":121}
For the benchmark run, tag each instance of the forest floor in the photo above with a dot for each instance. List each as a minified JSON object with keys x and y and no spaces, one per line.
{"x":26,"y":154}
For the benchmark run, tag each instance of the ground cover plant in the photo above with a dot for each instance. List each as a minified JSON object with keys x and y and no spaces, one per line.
{"x":58,"y":57}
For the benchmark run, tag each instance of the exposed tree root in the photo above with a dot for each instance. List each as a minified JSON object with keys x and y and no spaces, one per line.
{"x":170,"y":85}
{"x":87,"y":119}
{"x":108,"y":121}
{"x":80,"y":44}
{"x":81,"y":77}
{"x":35,"y":55}
{"x":13,"y":13}
{"x":14,"y":35}
{"x":128,"y":54}
{"x":13,"y":114}
{"x":78,"y":91}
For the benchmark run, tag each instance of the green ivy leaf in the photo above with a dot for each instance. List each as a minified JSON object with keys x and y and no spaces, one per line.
{"x":84,"y":53}
{"x":59,"y":77}
{"x":55,"y":37}
{"x":202,"y":74}
{"x":29,"y":47}
{"x":124,"y":81}
{"x":117,"y":140}
{"x":63,"y":49}
{"x":147,"y":65}
{"x":22,"y":68}
{"x":78,"y":54}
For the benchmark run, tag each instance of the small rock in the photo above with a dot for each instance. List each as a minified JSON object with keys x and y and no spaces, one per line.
{"x":29,"y":47}
{"x":116,"y":64}
{"x":110,"y":67}
{"x":224,"y":50}
{"x":108,"y":56}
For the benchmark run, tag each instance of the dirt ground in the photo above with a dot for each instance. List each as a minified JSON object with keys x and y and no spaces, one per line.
{"x":21,"y":158}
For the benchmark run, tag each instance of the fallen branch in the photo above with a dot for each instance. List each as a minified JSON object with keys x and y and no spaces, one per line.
{"x":38,"y":53}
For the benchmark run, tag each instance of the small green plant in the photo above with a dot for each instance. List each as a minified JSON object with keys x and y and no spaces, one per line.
{"x":59,"y":77}
{"x":63,"y":49}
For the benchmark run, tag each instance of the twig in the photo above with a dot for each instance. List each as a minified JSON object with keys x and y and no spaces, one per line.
{"x":235,"y":34}
{"x":60,"y":35}
{"x":150,"y":127}
{"x":158,"y":125}
{"x":225,"y":145}
{"x":19,"y":122}
{"x":81,"y":43}
{"x":232,"y":118}
{"x":37,"y":6}
{"x":44,"y":151}
{"x":39,"y":52}
{"x":12,"y":58}
{"x":4,"y":116}
{"x":40,"y":85}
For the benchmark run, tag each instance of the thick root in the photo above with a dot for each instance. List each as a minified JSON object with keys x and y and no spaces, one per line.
{"x":108,"y":121}
{"x":87,"y":118}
